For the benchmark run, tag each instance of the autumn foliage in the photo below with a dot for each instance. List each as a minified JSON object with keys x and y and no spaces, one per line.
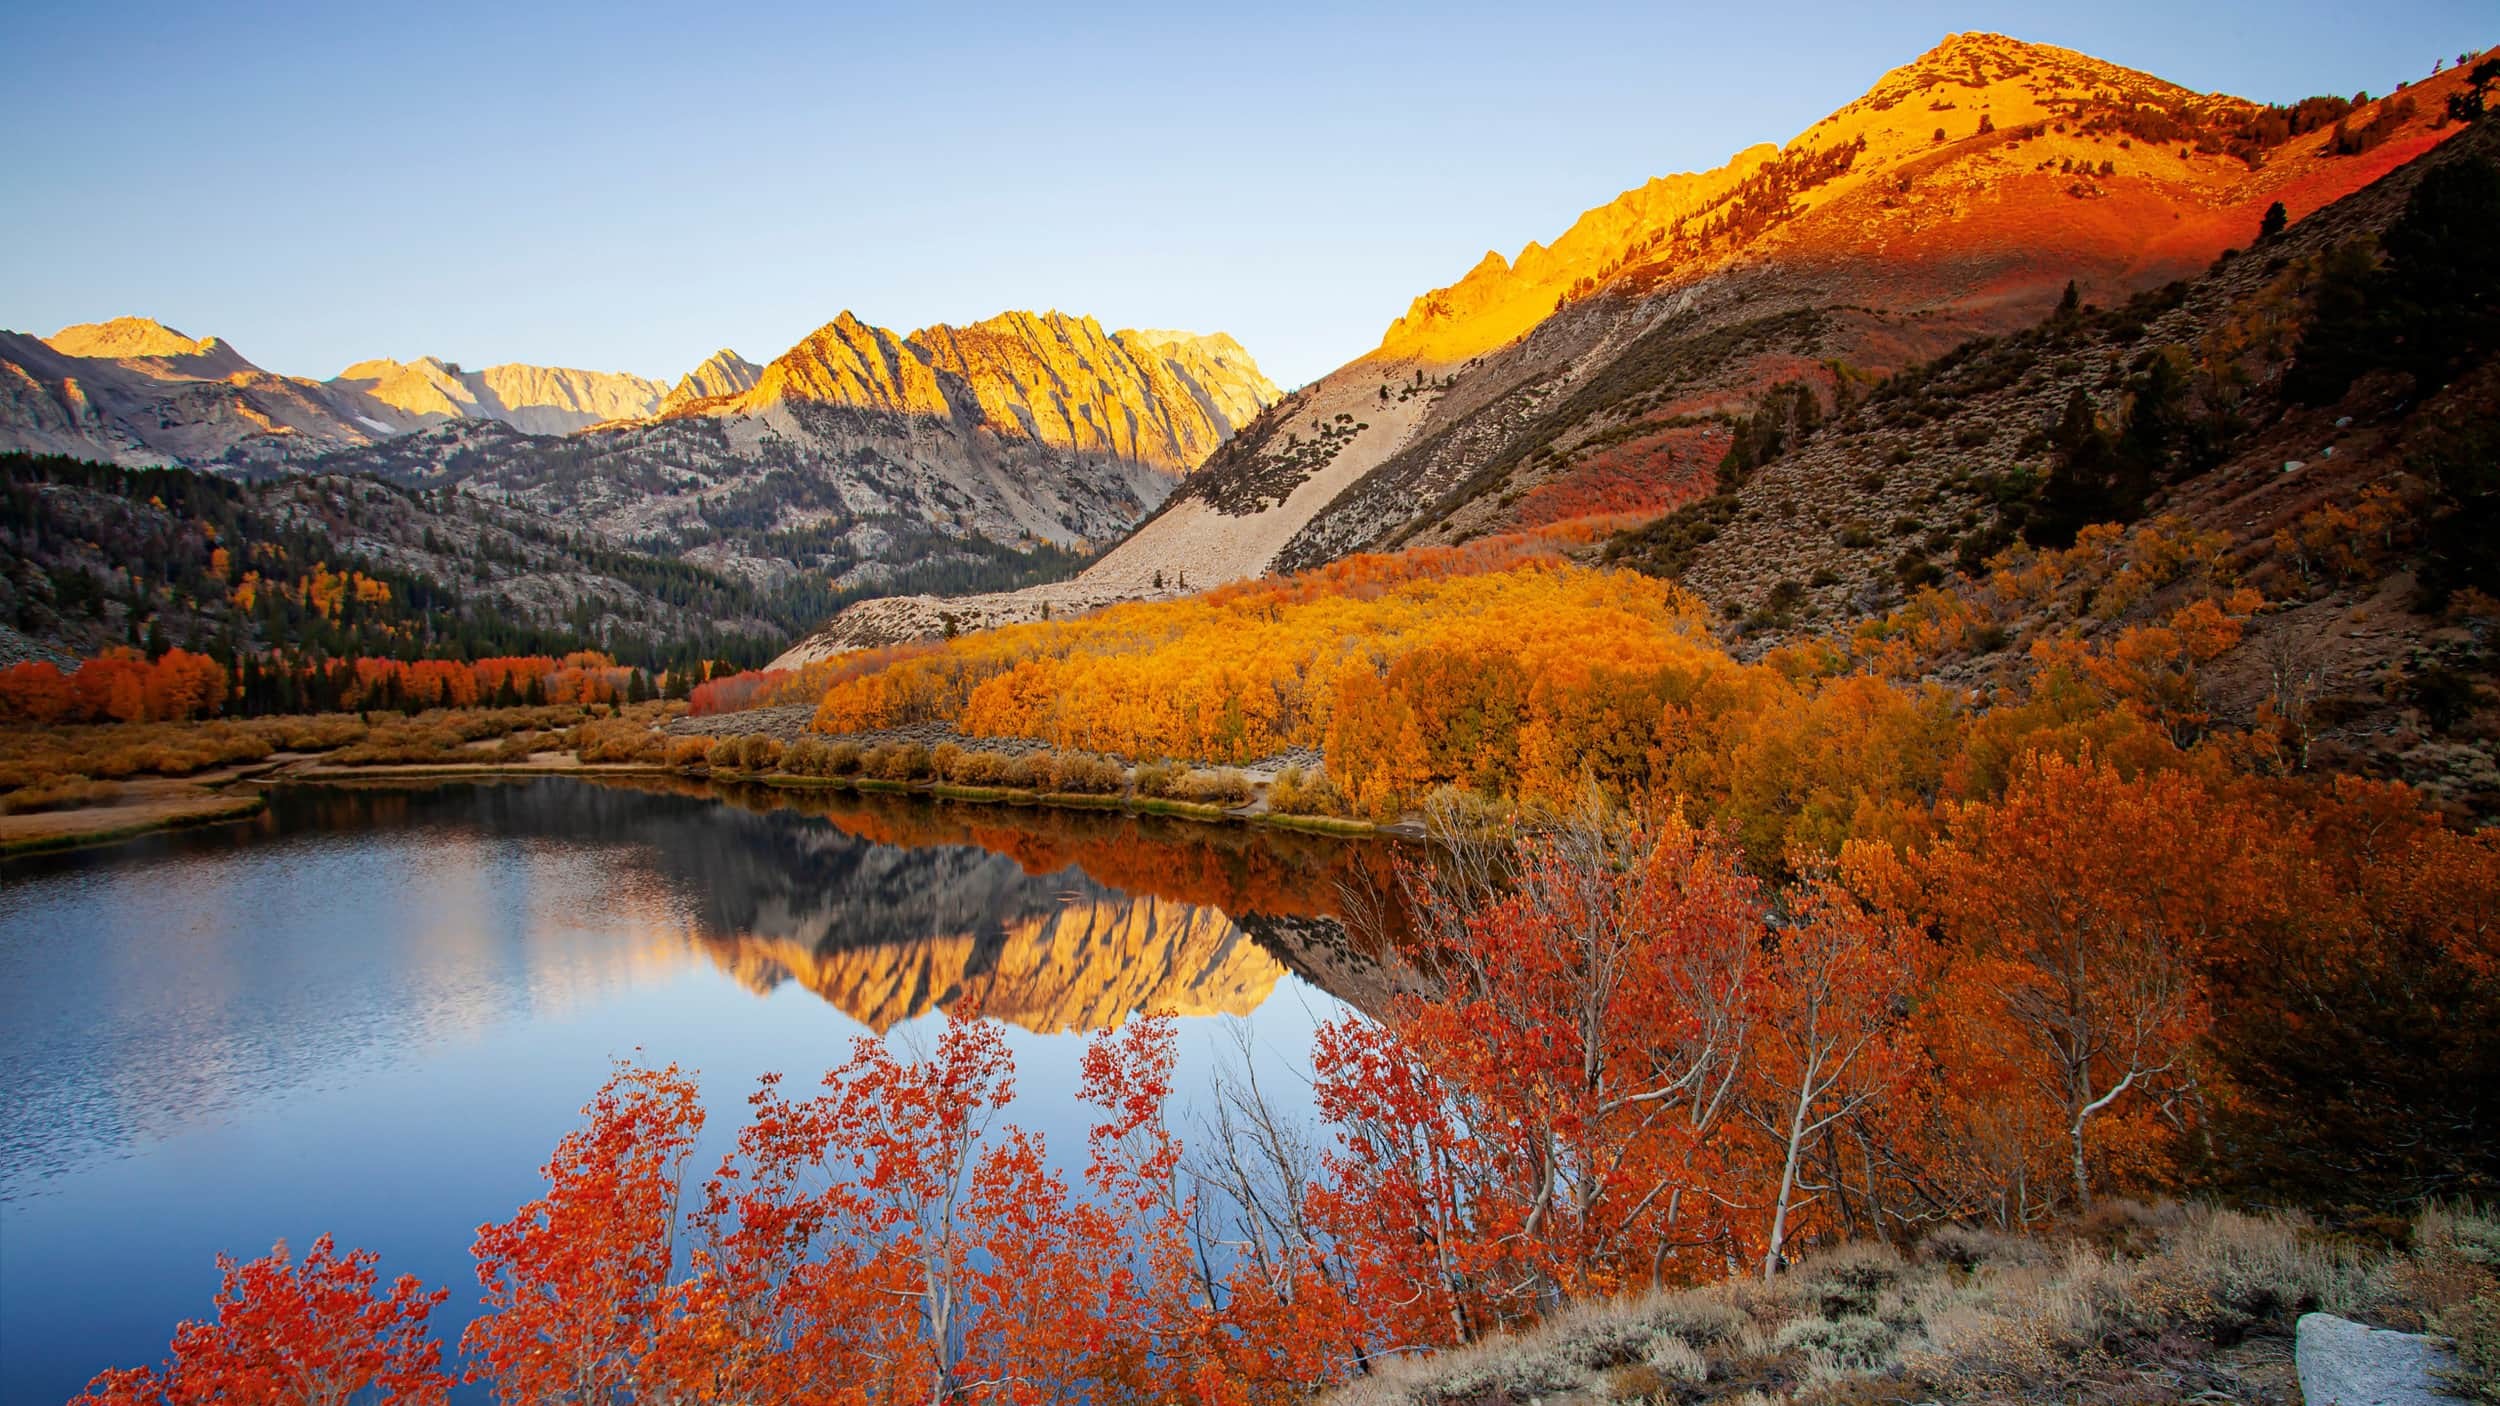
{"x":121,"y":686}
{"x":1713,"y":962}
{"x":125,"y":686}
{"x":313,"y":1332}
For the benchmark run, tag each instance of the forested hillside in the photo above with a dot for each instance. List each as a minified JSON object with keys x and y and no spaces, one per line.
{"x":98,"y":556}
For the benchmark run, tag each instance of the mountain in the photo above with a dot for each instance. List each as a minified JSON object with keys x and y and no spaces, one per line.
{"x":1596,"y":377}
{"x":543,"y":400}
{"x":134,"y":391}
{"x":137,"y":392}
{"x":952,"y":458}
{"x":724,"y":373}
{"x":139,"y":339}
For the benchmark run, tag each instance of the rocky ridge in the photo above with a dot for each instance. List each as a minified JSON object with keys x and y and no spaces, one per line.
{"x":541,"y":400}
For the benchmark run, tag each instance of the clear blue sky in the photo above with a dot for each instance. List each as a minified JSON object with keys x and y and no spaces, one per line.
{"x":627,"y":187}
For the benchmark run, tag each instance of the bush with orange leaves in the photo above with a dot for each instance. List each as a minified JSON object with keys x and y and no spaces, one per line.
{"x":313,"y":1330}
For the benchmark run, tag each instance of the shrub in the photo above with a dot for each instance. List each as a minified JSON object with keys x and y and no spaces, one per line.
{"x":897,"y":761}
{"x":1698,"y":1319}
{"x":686,"y":753}
{"x":947,"y":760}
{"x":1850,"y":1343}
{"x":617,"y":740}
{"x":1081,"y":774}
{"x":1224,"y":788}
{"x":805,"y":757}
{"x":986,"y":769}
{"x":845,"y":759}
{"x":322,"y":733}
{"x":725,"y":753}
{"x":1299,"y":792}
{"x":2451,"y":1285}
{"x":756,"y":752}
{"x":1849,"y":1278}
{"x":1158,"y":779}
{"x":1968,"y":1247}
{"x":399,"y":744}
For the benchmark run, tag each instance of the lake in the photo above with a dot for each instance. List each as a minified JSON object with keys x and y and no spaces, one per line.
{"x":372,"y":1011}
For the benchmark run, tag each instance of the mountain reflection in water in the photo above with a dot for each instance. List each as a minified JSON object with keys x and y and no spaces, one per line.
{"x":371,"y":1010}
{"x":889,"y":907}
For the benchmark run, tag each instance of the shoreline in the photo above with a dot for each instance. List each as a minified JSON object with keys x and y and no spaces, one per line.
{"x":111,"y":824}
{"x":211,"y":803}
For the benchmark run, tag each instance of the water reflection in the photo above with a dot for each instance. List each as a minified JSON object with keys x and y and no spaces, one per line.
{"x":371,"y":1011}
{"x":154,"y":986}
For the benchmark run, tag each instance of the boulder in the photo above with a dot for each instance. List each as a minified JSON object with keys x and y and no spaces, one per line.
{"x":2343,"y":1363}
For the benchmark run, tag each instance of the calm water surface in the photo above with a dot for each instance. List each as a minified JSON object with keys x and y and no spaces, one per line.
{"x":372,"y":1012}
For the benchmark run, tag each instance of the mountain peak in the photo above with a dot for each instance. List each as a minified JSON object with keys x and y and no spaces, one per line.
{"x":1946,"y":122}
{"x":724,"y":372}
{"x":129,"y":338}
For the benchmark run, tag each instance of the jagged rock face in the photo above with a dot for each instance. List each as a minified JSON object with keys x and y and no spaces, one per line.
{"x":1950,"y":89}
{"x":1228,"y":384}
{"x":723,"y":373}
{"x":1060,"y":382}
{"x":545,"y":400}
{"x":1500,"y":299}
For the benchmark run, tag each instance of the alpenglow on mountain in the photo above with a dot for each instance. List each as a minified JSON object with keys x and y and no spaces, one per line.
{"x":1595,"y":374}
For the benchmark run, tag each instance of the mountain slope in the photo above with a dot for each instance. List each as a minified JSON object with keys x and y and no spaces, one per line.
{"x":2342,"y":469}
{"x":1594,"y":376}
{"x":93,"y":556}
{"x":1956,"y":198}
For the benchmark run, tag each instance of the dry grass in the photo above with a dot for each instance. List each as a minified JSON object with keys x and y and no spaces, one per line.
{"x":60,"y":793}
{"x":2139,"y":1304}
{"x":1174,"y":781}
{"x":36,"y":756}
